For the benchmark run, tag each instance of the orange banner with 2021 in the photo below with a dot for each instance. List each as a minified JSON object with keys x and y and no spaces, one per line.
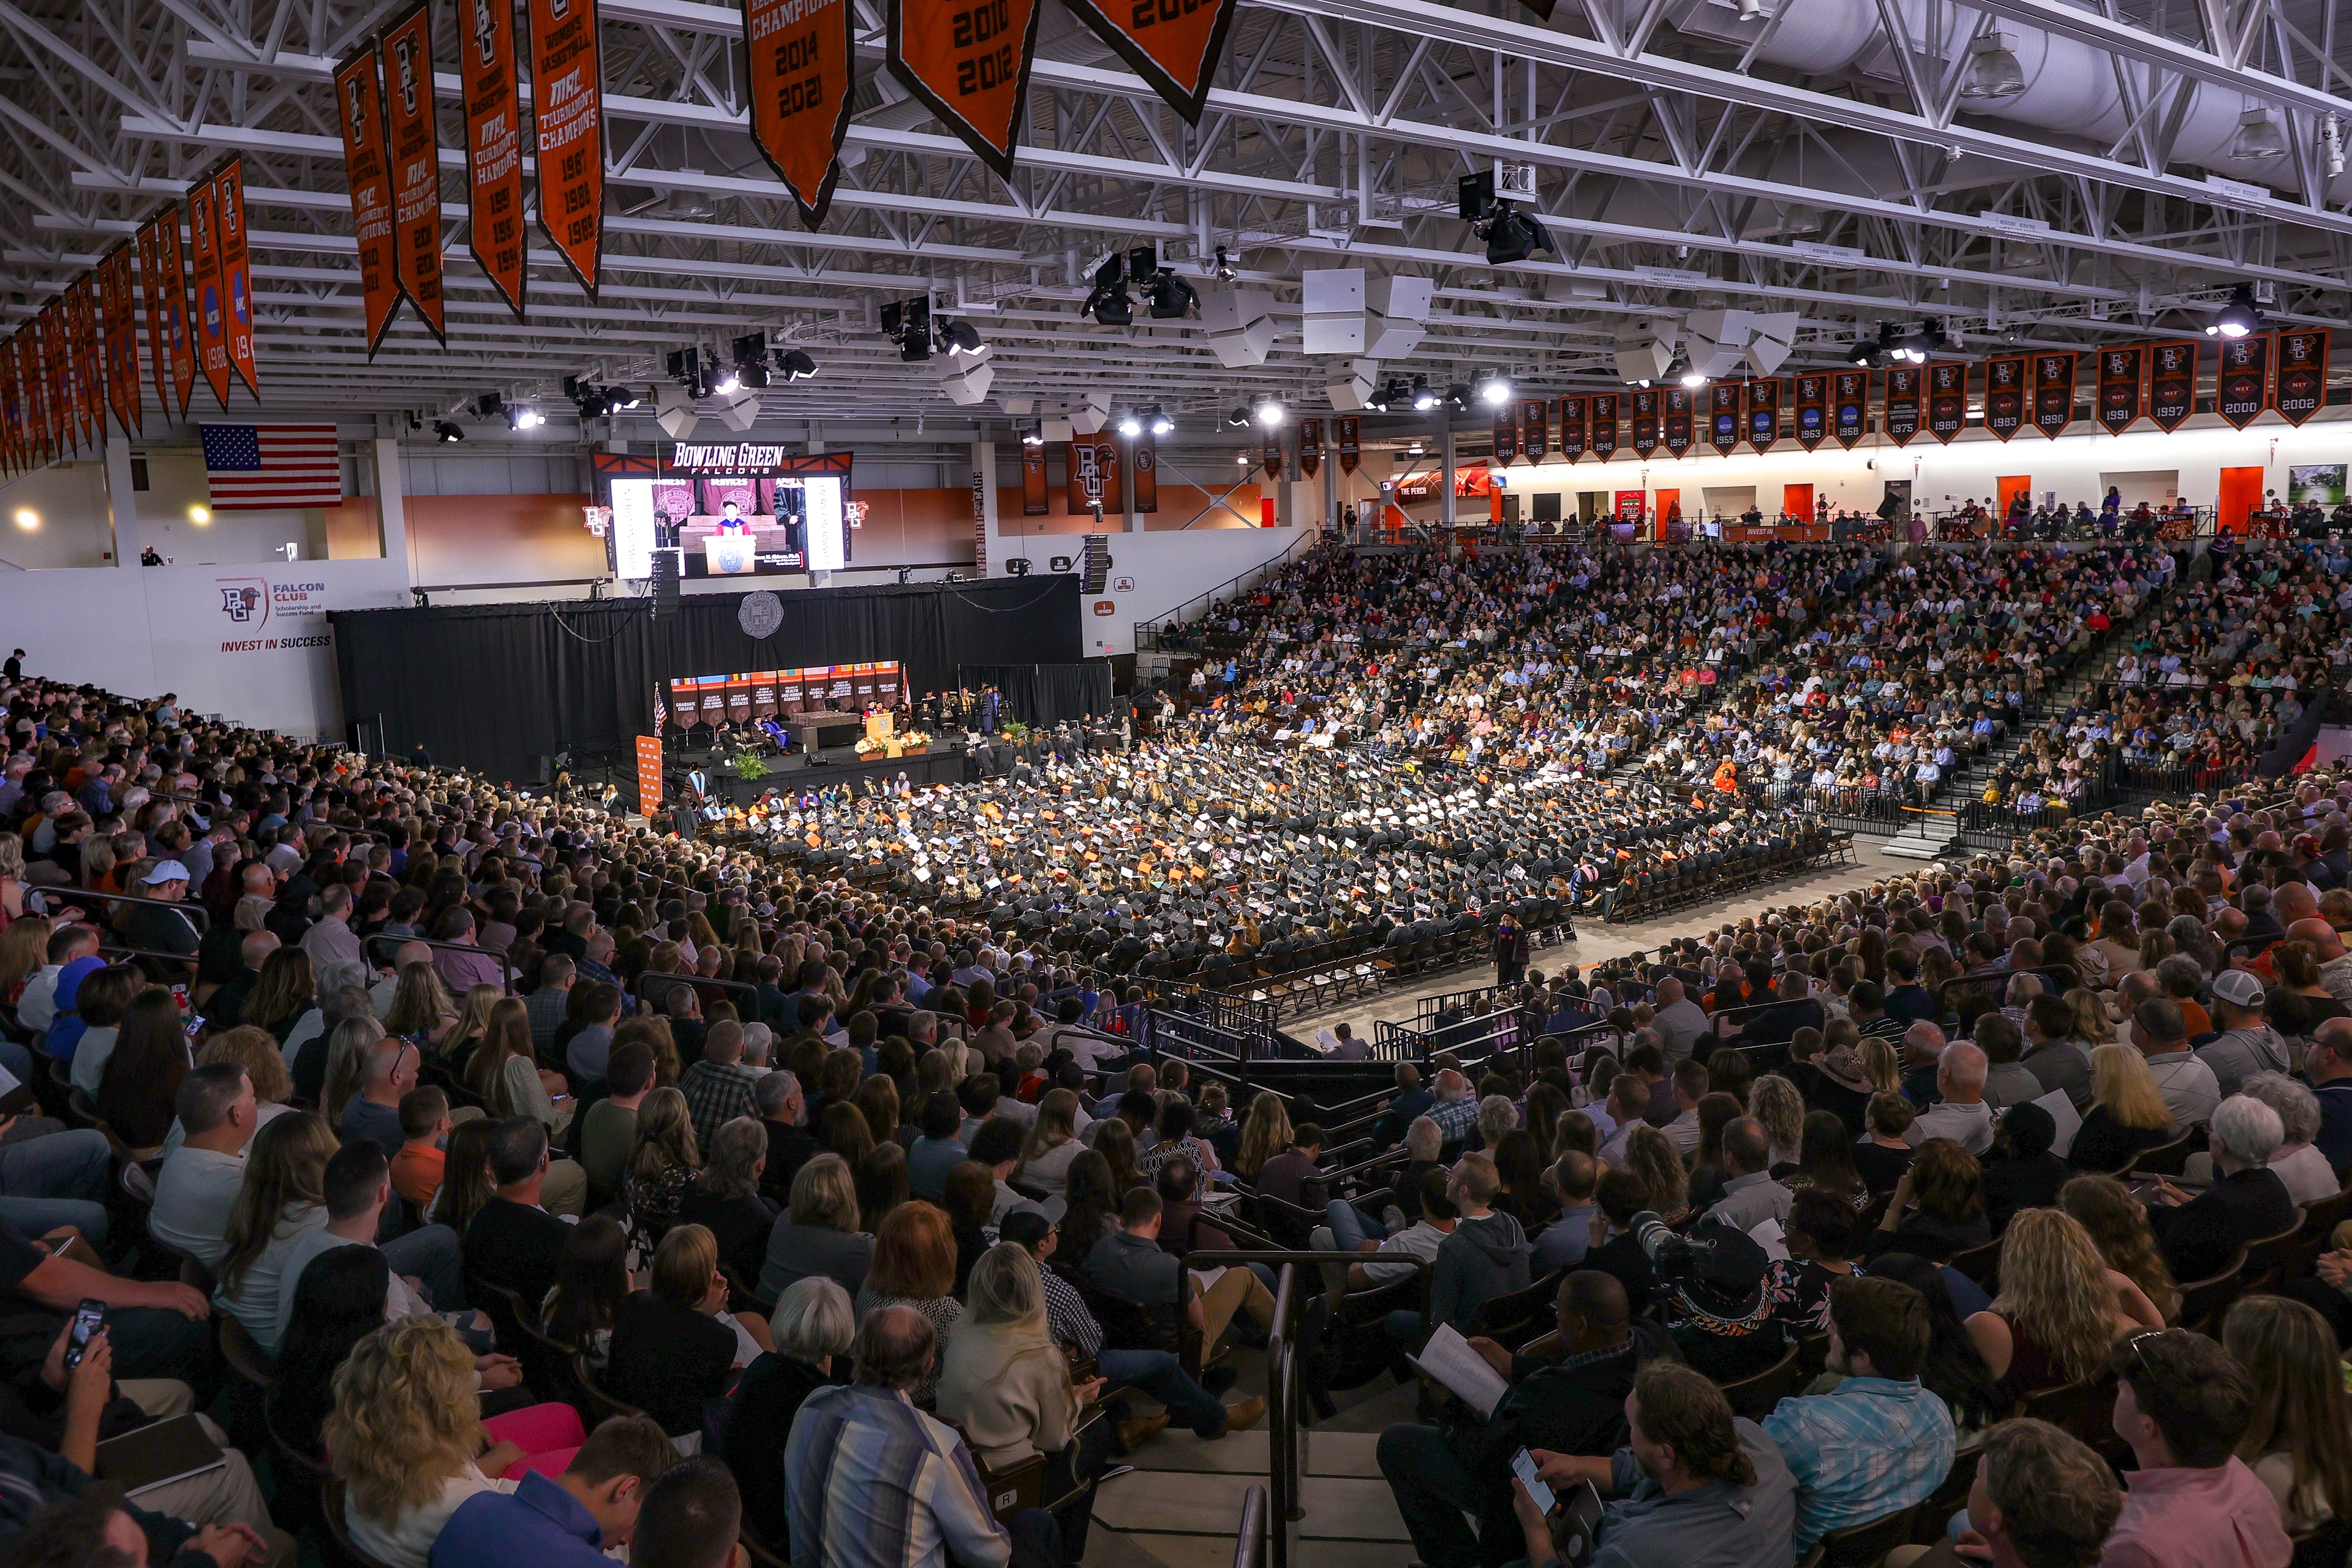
{"x":413,"y":146}
{"x":803,"y":78}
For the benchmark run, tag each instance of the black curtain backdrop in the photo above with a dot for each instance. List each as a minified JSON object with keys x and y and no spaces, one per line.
{"x":1044,"y":694}
{"x":496,"y":687}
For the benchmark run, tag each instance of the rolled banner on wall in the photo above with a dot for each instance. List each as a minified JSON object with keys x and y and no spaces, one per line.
{"x":1310,"y":452}
{"x":486,"y":74}
{"x":2171,"y":383}
{"x":122,"y":363}
{"x":1506,"y":435}
{"x":1273,"y":456}
{"x":1349,"y":432}
{"x":1811,"y":400}
{"x":1849,"y":405}
{"x":212,"y":309}
{"x":1535,"y":428}
{"x":2118,"y":389}
{"x":969,"y":61}
{"x":2005,"y":384}
{"x":2241,"y":383}
{"x":803,"y":80}
{"x":1723,"y":416}
{"x":1034,"y":501}
{"x":1947,"y":399}
{"x":567,"y":115}
{"x":1642,"y":431}
{"x":1171,"y":44}
{"x":1905,"y":386}
{"x":2302,"y":382}
{"x":360,"y":100}
{"x":1601,"y":425}
{"x":1763,"y":398}
{"x":411,"y":143}
{"x":1571,"y":428}
{"x":1143,"y":457}
{"x":1678,"y":426}
{"x":236,"y":271}
{"x":2053,"y":391}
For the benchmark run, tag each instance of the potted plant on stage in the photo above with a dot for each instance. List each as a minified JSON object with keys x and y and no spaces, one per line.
{"x":750,"y":766}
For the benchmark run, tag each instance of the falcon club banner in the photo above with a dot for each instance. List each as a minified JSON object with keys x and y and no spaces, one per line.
{"x":1763,"y":399}
{"x":1349,"y":431}
{"x":412,"y":144}
{"x":1723,"y":416}
{"x":1947,"y":399}
{"x":567,"y":112}
{"x":2302,"y":382}
{"x":969,"y":61}
{"x":2241,"y":385}
{"x":2005,"y":384}
{"x":1680,"y":422}
{"x":1171,"y":44}
{"x":2171,"y":383}
{"x":1601,"y":426}
{"x":1092,"y":475}
{"x":1143,"y":457}
{"x":1906,"y":386}
{"x":486,"y":73}
{"x":2118,"y":404}
{"x":1849,"y":405}
{"x":1643,"y":422}
{"x":1571,"y":429}
{"x":1310,"y":454}
{"x":804,"y":78}
{"x":1033,"y":502}
{"x":2053,"y":392}
{"x":236,"y":266}
{"x":1506,"y":435}
{"x":1812,"y":404}
{"x":360,"y":100}
{"x":1535,"y":428}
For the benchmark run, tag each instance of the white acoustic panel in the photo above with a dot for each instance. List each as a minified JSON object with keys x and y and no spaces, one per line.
{"x":1333,"y":303}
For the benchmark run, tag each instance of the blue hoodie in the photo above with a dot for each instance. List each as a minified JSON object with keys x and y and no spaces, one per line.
{"x":65,"y":1029}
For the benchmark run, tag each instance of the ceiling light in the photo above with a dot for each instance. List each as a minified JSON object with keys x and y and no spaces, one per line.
{"x":729,"y":384}
{"x":200,"y":514}
{"x":687,"y":368}
{"x":443,"y":430}
{"x":958,"y":337}
{"x":521,"y":417}
{"x":1270,"y":413}
{"x":1129,"y":426}
{"x":1457,"y":395}
{"x":1222,"y":270}
{"x":1237,"y":417}
{"x":1171,"y":298}
{"x":1992,"y":70}
{"x":2237,"y":318}
{"x":1424,"y":396}
{"x":1109,"y":304}
{"x":796,"y":365}
{"x":1159,"y":421}
{"x":1494,"y":391}
{"x":1691,"y":375}
{"x":27,"y":518}
{"x":490,"y":406}
{"x":1035,"y":436}
{"x":2331,"y":145}
{"x":2258,"y":137}
{"x":1751,"y":10}
{"x":1511,"y":236}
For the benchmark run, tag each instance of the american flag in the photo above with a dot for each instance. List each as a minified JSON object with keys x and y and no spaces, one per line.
{"x":263,"y":467}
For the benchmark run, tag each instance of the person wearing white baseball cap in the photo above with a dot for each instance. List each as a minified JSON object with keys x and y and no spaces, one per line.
{"x":2245,"y":1043}
{"x":157,"y":930}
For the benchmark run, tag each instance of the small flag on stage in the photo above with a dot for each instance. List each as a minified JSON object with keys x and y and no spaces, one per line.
{"x":267,"y":467}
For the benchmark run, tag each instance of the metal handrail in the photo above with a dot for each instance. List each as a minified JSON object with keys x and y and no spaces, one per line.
{"x":1147,"y":631}
{"x":202,"y":917}
{"x":506,"y":974}
{"x":1250,"y":1535}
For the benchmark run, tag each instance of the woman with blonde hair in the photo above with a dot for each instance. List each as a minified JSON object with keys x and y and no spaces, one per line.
{"x":2092,"y":1028}
{"x":1651,"y":1155}
{"x":1265,"y":1134}
{"x":2119,"y":1227}
{"x":663,"y":1162}
{"x":2127,"y":1113}
{"x":408,"y":1442}
{"x":286,"y":990}
{"x":23,"y":948}
{"x":505,"y":1074}
{"x":1882,"y":1065}
{"x":455,"y":1050}
{"x":347,"y":1056}
{"x":258,"y":1054}
{"x":1779,"y":1107}
{"x":285,"y":1176}
{"x":675,"y":1345}
{"x":2061,"y":1307}
{"x":1052,"y":1144}
{"x":818,"y":1236}
{"x":2298,"y":1438}
{"x":1007,"y":1384}
{"x":421,"y":1009}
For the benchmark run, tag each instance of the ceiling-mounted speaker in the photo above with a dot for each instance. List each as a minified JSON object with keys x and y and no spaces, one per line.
{"x":1770,"y":340}
{"x":1054,"y":430}
{"x":1394,"y":308}
{"x":1091,"y":414}
{"x":1644,"y":350}
{"x":741,"y":412}
{"x":1350,"y":392}
{"x":1334,"y":304}
{"x":1718,"y":339}
{"x":675,"y":411}
{"x":968,"y":383}
{"x":1240,"y":324}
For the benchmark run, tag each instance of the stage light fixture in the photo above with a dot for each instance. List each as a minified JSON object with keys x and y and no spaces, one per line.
{"x":1510,"y":235}
{"x":26,"y":518}
{"x":2258,"y":137}
{"x":1171,"y":298}
{"x":490,"y":406}
{"x":1222,"y":270}
{"x":1494,"y":391}
{"x":1035,"y":436}
{"x":1457,"y":395}
{"x":1751,"y":10}
{"x":1993,"y":70}
{"x":729,"y":384}
{"x":907,"y":323}
{"x":2237,"y":318}
{"x":1424,"y":396}
{"x":686,"y":369}
{"x":1161,"y":423}
{"x":524,"y":417}
{"x":1688,"y":374}
{"x":1270,"y":413}
{"x":2331,"y":145}
{"x":750,"y":352}
{"x":1235,"y":418}
{"x":796,"y":365}
{"x":1129,"y":426}
{"x":1110,"y":304}
{"x":958,"y":337}
{"x":200,"y":515}
{"x":444,"y":431}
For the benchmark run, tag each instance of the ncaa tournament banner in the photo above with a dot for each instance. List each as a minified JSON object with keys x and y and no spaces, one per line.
{"x":486,"y":74}
{"x":235,"y":271}
{"x":2302,"y":383}
{"x":2171,"y":383}
{"x":412,"y":144}
{"x":369,"y":176}
{"x":969,"y":61}
{"x":212,"y":312}
{"x":1813,"y":405}
{"x":178,"y":319}
{"x":1763,"y":413}
{"x":1723,"y":416}
{"x":567,"y":112}
{"x":1849,"y":405}
{"x":2118,"y":404}
{"x":804,"y":78}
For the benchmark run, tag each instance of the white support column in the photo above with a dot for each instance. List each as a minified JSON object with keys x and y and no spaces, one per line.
{"x":392,"y":507}
{"x":121,"y":504}
{"x":1446,"y":490}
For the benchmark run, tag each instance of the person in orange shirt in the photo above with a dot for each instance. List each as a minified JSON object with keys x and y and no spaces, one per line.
{"x":1727,"y":776}
{"x":416,"y":1168}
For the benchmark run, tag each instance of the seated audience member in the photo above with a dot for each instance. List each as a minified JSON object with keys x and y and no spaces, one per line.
{"x":510,"y":1240}
{"x":281,"y":1201}
{"x":1484,"y":1256}
{"x":1879,"y":1441}
{"x":1959,"y":1112}
{"x":1823,"y":1233}
{"x":2127,"y":1114}
{"x":2041,"y":1498}
{"x":790,"y":1145}
{"x":938,"y":1149}
{"x":1619,"y":1199}
{"x":1885,"y":1154}
{"x":2021,"y":1172}
{"x":55,"y":1516}
{"x":1562,"y":1243}
{"x":818,"y":1236}
{"x":1697,"y":1484}
{"x":569,"y":1519}
{"x":2182,"y":1404}
{"x":1751,"y":1196}
{"x":813,"y":1328}
{"x":675,"y":1346}
{"x":1937,"y":1209}
{"x":691,"y":1518}
{"x":914,"y":1266}
{"x":2298,"y":1437}
{"x":1713,"y":1282}
{"x":2247,"y":1201}
{"x":609,"y":1128}
{"x":198,"y":1186}
{"x":416,"y":1168}
{"x":664,"y":1162}
{"x":1955,"y":1369}
{"x":863,"y":1464}
{"x":1129,"y":1262}
{"x":1574,"y":1405}
{"x":389,"y":1072}
{"x":1006,"y":1384}
{"x":721,"y":1087}
{"x":2299,"y":1165}
{"x":143,"y":1073}
{"x":2061,"y":1307}
{"x":725,"y":1199}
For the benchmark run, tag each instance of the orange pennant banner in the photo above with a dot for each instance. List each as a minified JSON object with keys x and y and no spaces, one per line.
{"x":485,"y":56}
{"x":969,"y":61}
{"x":804,"y":76}
{"x":360,"y":96}
{"x":567,"y":111}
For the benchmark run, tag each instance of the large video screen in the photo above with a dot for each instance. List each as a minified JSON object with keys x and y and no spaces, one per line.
{"x":728,"y":526}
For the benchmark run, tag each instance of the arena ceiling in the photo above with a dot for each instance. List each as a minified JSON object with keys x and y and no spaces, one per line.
{"x":1832,"y":158}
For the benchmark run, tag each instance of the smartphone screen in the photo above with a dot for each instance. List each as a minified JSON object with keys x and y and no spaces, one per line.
{"x":89,"y":1319}
{"x":195,"y":1023}
{"x":1523,"y":1465}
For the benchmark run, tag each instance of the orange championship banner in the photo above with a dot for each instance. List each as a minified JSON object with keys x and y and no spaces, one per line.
{"x":90,"y":409}
{"x":412,"y":145}
{"x":486,"y":75}
{"x":2300,"y":387}
{"x":2053,"y":391}
{"x":2005,"y":395}
{"x":236,"y":271}
{"x":1947,"y":399}
{"x":212,"y":309}
{"x":1171,"y":44}
{"x":2118,"y":404}
{"x":1034,"y":501}
{"x":361,"y":105}
{"x":567,"y":111}
{"x":969,"y":61}
{"x":1906,"y":387}
{"x":804,"y":73}
{"x":179,"y":327}
{"x":2171,"y":383}
{"x":649,"y":773}
{"x":122,"y":339}
{"x":1676,"y":426}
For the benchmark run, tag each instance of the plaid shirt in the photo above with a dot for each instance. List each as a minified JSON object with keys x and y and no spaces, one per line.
{"x":875,"y":1483}
{"x":1867,"y":1448}
{"x":1066,"y":1318}
{"x":546,"y":1007}
{"x":1455,"y":1118}
{"x":716,"y":1093}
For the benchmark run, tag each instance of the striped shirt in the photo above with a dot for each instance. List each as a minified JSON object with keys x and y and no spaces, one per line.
{"x":873,"y":1482}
